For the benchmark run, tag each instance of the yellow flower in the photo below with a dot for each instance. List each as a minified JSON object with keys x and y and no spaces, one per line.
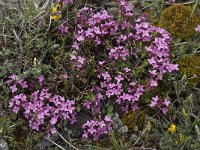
{"x":181,"y":137}
{"x":54,"y":17}
{"x":54,"y":10}
{"x":172,"y":128}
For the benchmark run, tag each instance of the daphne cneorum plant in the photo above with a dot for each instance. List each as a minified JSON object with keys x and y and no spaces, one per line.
{"x":39,"y":106}
{"x":129,"y":58}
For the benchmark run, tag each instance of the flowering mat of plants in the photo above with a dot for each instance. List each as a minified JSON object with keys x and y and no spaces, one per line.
{"x":100,"y":75}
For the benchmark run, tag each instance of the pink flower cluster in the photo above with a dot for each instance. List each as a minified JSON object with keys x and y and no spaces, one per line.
{"x":156,"y":41}
{"x":15,"y":83}
{"x":95,"y":128}
{"x":126,"y":9}
{"x":94,"y":25}
{"x":63,"y":28}
{"x":43,"y":109}
{"x":160,"y":104}
{"x":77,"y":61}
{"x":143,"y":30}
{"x":118,"y":52}
{"x":121,"y":88}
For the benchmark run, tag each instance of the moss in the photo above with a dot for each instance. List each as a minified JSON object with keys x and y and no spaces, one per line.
{"x":190,"y":66}
{"x":134,"y":119}
{"x":176,"y":20}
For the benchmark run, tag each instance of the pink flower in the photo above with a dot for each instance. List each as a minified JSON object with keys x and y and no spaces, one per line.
{"x":154,"y":101}
{"x":106,"y":76}
{"x":75,"y":46}
{"x":53,"y":130}
{"x":97,"y":128}
{"x":81,"y":59}
{"x":54,"y":120}
{"x":152,"y":60}
{"x":13,"y":88}
{"x":119,"y":78}
{"x":197,"y":28}
{"x":92,"y":130}
{"x":87,"y":104}
{"x":85,"y":135}
{"x":153,"y":72}
{"x":16,"y":109}
{"x":67,"y":1}
{"x":63,"y":29}
{"x":164,"y":110}
{"x":101,"y":63}
{"x":41,"y":79}
{"x":153,"y":83}
{"x":166,"y":102}
{"x":108,"y":119}
{"x":73,"y":57}
{"x":80,"y":37}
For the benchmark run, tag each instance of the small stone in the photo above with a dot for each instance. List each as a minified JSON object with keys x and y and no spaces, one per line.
{"x":118,"y":125}
{"x":134,"y":2}
{"x":3,"y":145}
{"x":76,"y":128}
{"x":44,"y":143}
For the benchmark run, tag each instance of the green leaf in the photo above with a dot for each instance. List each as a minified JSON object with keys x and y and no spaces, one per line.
{"x":194,"y":7}
{"x":110,"y":111}
{"x":114,"y":141}
{"x":78,"y":108}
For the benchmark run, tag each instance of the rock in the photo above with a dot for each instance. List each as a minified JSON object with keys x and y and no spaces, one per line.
{"x":133,"y":3}
{"x":44,"y":143}
{"x":118,"y":125}
{"x":118,"y":109}
{"x":76,"y":128}
{"x":3,"y":145}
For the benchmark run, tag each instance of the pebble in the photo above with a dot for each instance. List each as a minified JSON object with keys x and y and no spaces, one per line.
{"x":3,"y":144}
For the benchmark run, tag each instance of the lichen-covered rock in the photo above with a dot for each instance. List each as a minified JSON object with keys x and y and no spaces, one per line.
{"x":190,"y":66}
{"x":134,"y":120}
{"x":177,"y":20}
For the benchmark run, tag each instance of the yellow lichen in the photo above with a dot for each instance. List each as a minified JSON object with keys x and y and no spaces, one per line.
{"x":134,"y":119}
{"x":190,"y":66}
{"x":178,"y":21}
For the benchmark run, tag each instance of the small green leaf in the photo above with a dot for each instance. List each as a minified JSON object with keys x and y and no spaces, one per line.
{"x":110,"y":111}
{"x":114,"y":141}
{"x":194,"y":7}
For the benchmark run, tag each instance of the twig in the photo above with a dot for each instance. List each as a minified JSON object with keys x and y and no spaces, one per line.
{"x":45,"y":4}
{"x":164,"y":118}
{"x":70,"y":81}
{"x":48,"y":26}
{"x":55,"y":143}
{"x":143,"y":148}
{"x":97,"y":148}
{"x":141,"y":135}
{"x":20,"y":42}
{"x":67,"y":141}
